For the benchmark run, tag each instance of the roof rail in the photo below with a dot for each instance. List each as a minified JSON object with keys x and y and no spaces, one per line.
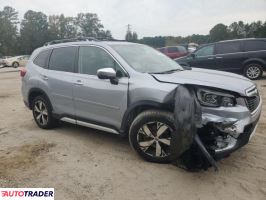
{"x":77,"y":39}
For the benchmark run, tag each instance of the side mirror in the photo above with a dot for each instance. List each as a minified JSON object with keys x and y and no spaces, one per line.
{"x":193,"y":55}
{"x":106,"y":73}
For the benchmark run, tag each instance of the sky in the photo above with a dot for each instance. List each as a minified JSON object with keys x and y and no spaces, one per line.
{"x":152,"y":17}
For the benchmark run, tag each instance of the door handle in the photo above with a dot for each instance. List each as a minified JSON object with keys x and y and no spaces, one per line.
{"x":218,"y":57}
{"x":44,"y":77}
{"x":78,"y":82}
{"x":210,"y":58}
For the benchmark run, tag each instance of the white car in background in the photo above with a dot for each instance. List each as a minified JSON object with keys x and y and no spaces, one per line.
{"x":16,"y":61}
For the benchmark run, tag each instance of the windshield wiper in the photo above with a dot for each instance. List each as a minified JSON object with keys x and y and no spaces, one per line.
{"x":167,"y":72}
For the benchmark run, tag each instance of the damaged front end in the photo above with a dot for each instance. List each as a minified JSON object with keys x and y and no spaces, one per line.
{"x":225,"y":130}
{"x":220,"y":130}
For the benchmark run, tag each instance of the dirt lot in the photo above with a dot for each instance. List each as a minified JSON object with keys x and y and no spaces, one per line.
{"x":82,"y":163}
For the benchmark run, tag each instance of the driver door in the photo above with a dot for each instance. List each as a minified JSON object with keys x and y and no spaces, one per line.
{"x":204,"y":58}
{"x":98,"y":100}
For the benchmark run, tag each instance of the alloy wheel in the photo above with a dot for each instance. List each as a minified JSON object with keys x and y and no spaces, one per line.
{"x":253,"y":72}
{"x":154,"y":139}
{"x":41,"y":113}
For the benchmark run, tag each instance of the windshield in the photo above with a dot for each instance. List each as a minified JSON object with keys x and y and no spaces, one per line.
{"x":146,"y":59}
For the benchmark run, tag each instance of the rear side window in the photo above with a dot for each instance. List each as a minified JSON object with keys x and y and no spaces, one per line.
{"x":42,"y":59}
{"x":182,"y":49}
{"x":172,"y":49}
{"x":255,"y":45}
{"x":63,"y":59}
{"x":228,"y":47}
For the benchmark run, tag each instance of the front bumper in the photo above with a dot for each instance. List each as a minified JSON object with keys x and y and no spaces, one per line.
{"x":230,"y":127}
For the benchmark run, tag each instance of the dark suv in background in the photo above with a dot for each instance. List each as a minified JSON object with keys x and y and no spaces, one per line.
{"x":242,"y":56}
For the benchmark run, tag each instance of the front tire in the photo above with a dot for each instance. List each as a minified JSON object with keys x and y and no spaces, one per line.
{"x":150,"y":135}
{"x":253,"y":71}
{"x":42,"y":113}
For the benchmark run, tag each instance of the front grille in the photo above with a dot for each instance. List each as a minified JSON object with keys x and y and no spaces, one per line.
{"x":252,"y":102}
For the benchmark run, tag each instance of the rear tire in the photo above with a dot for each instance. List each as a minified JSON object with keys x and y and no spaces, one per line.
{"x":42,"y":113}
{"x":15,"y":64}
{"x":253,"y":71}
{"x":150,"y":135}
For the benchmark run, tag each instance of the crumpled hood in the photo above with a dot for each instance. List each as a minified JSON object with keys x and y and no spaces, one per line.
{"x":210,"y":78}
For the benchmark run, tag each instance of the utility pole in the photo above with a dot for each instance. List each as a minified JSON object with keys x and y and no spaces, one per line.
{"x":128,"y":28}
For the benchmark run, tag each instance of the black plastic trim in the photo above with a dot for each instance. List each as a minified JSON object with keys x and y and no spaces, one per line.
{"x":136,"y":105}
{"x":37,"y":90}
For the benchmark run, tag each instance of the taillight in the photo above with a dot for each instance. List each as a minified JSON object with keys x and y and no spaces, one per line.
{"x":23,"y":71}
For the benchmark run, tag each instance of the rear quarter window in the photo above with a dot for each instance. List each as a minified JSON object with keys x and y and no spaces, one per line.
{"x":255,"y":45}
{"x":42,"y":59}
{"x":172,"y":49}
{"x":228,"y":47}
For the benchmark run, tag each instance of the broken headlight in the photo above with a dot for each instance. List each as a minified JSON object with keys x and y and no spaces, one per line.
{"x":215,"y":99}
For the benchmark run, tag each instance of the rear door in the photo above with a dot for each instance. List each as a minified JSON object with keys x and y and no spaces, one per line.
{"x":59,"y":78}
{"x":203,"y":58}
{"x":229,"y":56}
{"x":172,"y":52}
{"x":96,"y":100}
{"x":255,"y":49}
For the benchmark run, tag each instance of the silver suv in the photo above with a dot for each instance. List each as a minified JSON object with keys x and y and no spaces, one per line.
{"x":132,"y":89}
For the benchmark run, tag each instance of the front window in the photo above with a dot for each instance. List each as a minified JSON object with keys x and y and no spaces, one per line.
{"x":145,"y":59}
{"x":91,"y":59}
{"x":205,"y":51}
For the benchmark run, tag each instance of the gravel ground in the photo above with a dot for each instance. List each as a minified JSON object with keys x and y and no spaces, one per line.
{"x":82,"y":163}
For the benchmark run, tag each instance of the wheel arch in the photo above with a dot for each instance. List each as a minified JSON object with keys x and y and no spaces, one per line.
{"x":14,"y":62}
{"x":255,"y":60}
{"x":34,"y":92}
{"x":137,"y":108}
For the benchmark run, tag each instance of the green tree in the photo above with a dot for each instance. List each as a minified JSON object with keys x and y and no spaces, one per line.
{"x":219,"y":32}
{"x":134,"y":37}
{"x":61,"y":27}
{"x":157,"y":41}
{"x":67,"y":27}
{"x":8,"y":31}
{"x":105,"y":35}
{"x":88,"y":24}
{"x":34,"y":31}
{"x":54,"y":27}
{"x":129,"y":36}
{"x":237,"y":30}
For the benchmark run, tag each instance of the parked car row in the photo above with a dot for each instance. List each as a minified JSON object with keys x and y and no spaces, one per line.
{"x":244,"y":56}
{"x":15,"y":61}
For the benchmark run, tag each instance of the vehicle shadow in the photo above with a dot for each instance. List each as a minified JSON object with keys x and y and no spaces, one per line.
{"x":110,"y":141}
